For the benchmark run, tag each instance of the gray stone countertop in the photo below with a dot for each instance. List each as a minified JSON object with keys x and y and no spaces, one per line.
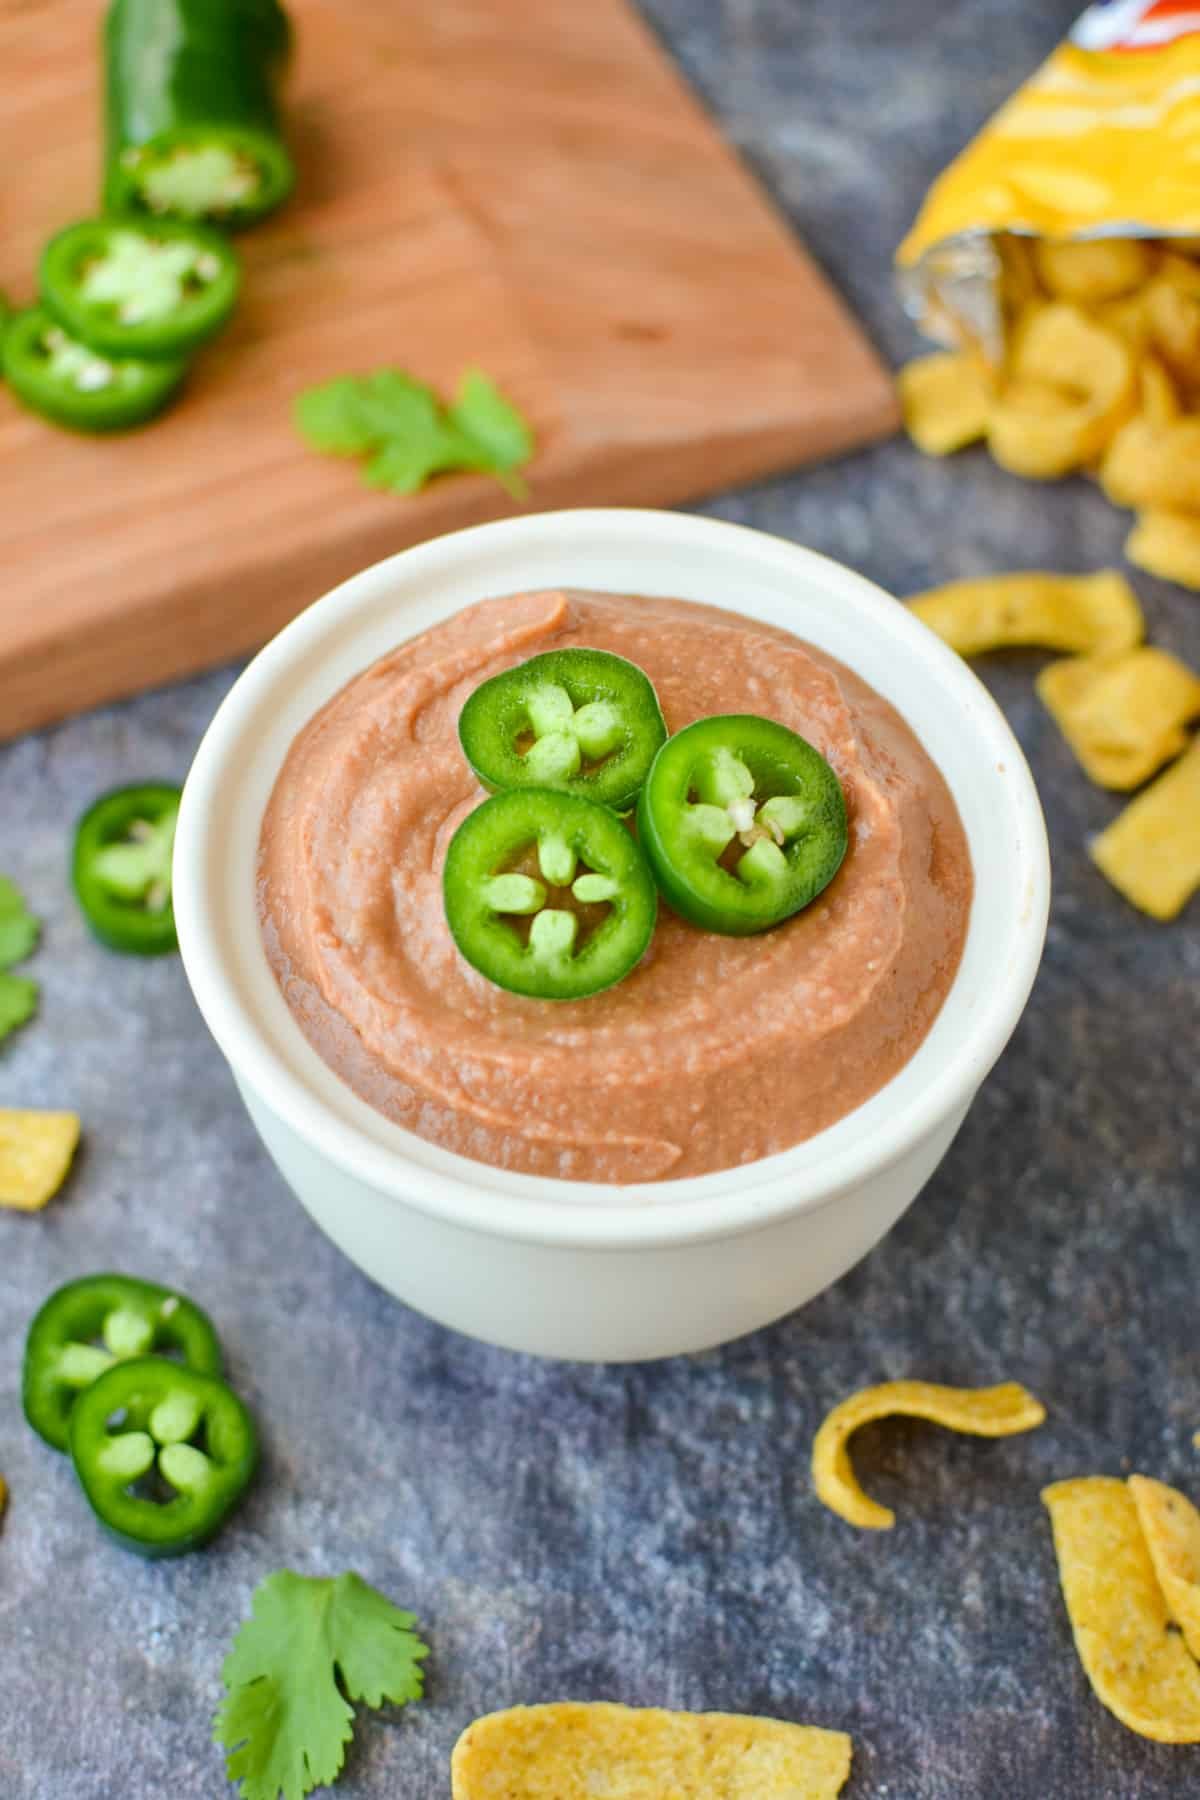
{"x":649,"y":1534}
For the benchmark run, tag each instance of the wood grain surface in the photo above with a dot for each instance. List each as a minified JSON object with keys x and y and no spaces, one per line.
{"x":525,"y":185}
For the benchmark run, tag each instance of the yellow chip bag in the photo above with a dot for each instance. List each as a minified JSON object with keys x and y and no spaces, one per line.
{"x":35,"y":1154}
{"x":945,"y":398}
{"x":1093,"y":613}
{"x":1151,"y":851}
{"x":1171,"y":1527}
{"x":1167,"y":544}
{"x":1138,"y":1667}
{"x":981,"y":1412}
{"x":576,"y":1751}
{"x":1122,"y":715}
{"x":1098,"y":150}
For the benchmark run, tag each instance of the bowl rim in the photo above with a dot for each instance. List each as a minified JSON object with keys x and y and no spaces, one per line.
{"x":747,"y":1201}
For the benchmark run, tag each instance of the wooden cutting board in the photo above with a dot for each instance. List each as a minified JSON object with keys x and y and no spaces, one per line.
{"x":525,"y":185}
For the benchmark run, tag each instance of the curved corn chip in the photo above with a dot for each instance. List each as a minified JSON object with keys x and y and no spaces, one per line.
{"x":1156,"y":467}
{"x":1171,"y":1527}
{"x":1173,"y":315}
{"x":1042,"y":399}
{"x":1181,"y":271}
{"x":1092,"y":371}
{"x":576,"y":1751}
{"x":945,"y":398}
{"x":982,"y":1412}
{"x":1151,"y":851}
{"x":1094,"y":270}
{"x":1035,"y":431}
{"x":1018,"y":283}
{"x":35,"y":1154}
{"x":1123,"y":715}
{"x":1093,"y":613}
{"x":1159,"y":397}
{"x":1167,"y":544}
{"x":1127,"y":319}
{"x":1137,"y":1667}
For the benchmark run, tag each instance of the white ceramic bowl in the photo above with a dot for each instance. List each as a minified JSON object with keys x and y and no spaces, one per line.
{"x":566,"y":1268}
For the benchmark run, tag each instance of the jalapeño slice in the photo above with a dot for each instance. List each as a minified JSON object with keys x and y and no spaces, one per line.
{"x":743,"y":823}
{"x":583,"y":721}
{"x":122,"y":868}
{"x":163,"y":1454}
{"x":140,"y":287}
{"x":548,"y":895}
{"x":90,"y":1325}
{"x":60,"y":377}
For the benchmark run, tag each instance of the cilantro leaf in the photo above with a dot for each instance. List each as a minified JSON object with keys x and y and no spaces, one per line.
{"x":378,"y":1652}
{"x":482,"y":414}
{"x":285,"y":1722}
{"x":356,"y":413}
{"x":330,"y":418}
{"x":18,"y":927}
{"x":18,"y":1001}
{"x":405,"y":464}
{"x":400,"y":424}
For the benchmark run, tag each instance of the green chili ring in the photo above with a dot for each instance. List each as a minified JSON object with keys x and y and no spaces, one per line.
{"x":153,"y":176}
{"x":140,"y":287}
{"x":743,"y":823}
{"x":163,"y":1454}
{"x":93,"y":1324}
{"x":121,"y":868}
{"x":583,"y":721}
{"x":548,"y":895}
{"x":62,"y":379}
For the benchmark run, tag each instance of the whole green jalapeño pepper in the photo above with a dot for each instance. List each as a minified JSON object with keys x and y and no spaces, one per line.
{"x":63,"y":379}
{"x":548,"y":895}
{"x":584,"y":721}
{"x":121,"y":868}
{"x":140,"y":287}
{"x":743,"y":823}
{"x":192,"y":108}
{"x":163,"y":1454}
{"x":90,"y":1325}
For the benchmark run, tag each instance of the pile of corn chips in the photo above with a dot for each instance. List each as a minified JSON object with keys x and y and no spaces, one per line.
{"x":1058,"y":256}
{"x":1129,"y":1562}
{"x":1101,"y":372}
{"x":1128,"y":1556}
{"x":1122,"y":705}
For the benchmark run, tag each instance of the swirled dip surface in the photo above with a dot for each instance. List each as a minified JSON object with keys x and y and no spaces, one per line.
{"x":715,"y":1050}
